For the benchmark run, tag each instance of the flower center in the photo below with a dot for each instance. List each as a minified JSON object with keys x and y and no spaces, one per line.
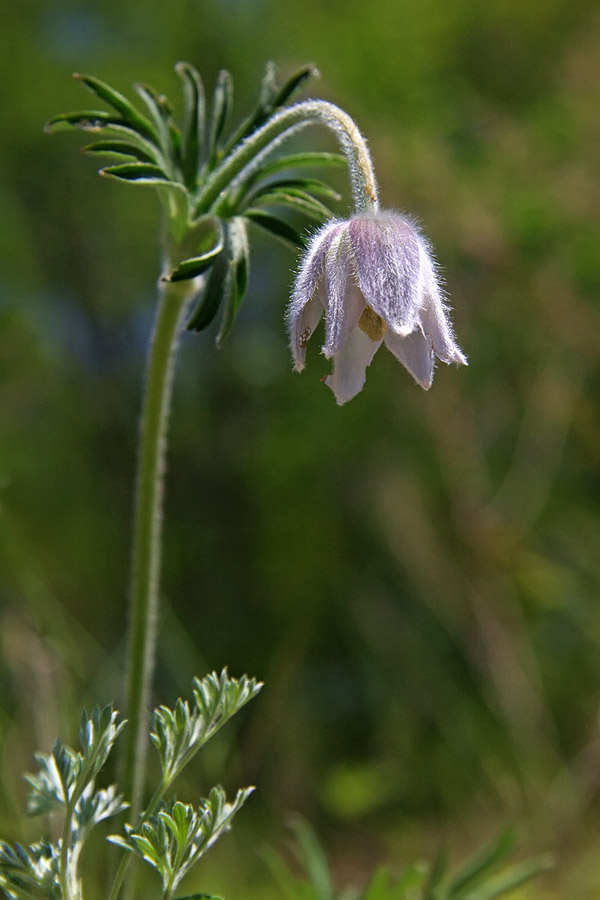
{"x":371,"y":324}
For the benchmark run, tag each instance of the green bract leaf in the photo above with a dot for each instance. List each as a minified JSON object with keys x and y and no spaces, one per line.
{"x":93,"y":121}
{"x":120,"y":149}
{"x":268,"y":88}
{"x":194,"y":122}
{"x":226,"y":282}
{"x":268,"y":92}
{"x":293,"y":84}
{"x":298,"y":186}
{"x":212,"y":294}
{"x":276,"y":226}
{"x":161,"y":115}
{"x":139,"y":173}
{"x":296,"y":200}
{"x":301,"y":160}
{"x":119,"y":103}
{"x":196,"y":265}
{"x":237,"y":276}
{"x":85,"y":119}
{"x":222,"y":101}
{"x":210,"y":235}
{"x":270,"y":98}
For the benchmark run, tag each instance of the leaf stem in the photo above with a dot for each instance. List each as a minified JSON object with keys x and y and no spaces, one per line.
{"x":146,"y":561}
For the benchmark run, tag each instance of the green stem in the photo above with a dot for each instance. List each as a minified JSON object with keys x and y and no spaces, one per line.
{"x":147,"y":533}
{"x":248,"y":155}
{"x":65,"y":847}
{"x":128,"y":858}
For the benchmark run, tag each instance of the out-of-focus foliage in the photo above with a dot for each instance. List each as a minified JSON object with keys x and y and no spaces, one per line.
{"x":415,"y":576}
{"x":486,"y":876}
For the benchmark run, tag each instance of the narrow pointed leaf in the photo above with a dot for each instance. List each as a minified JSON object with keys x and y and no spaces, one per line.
{"x":294,"y":84}
{"x":86,"y":119}
{"x":301,"y":160}
{"x":276,"y":226}
{"x":222,"y":100}
{"x":297,"y":200}
{"x":303,"y":185}
{"x":138,"y":173}
{"x":95,"y":121}
{"x":209,"y":239}
{"x":240,"y":263}
{"x":218,"y":284}
{"x":194,"y":121}
{"x":118,"y":149}
{"x":160,"y":114}
{"x":268,"y":87}
{"x":196,"y":265}
{"x":270,"y":99}
{"x":268,"y":92}
{"x":120,"y":103}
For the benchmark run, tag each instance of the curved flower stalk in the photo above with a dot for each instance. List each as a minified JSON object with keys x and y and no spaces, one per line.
{"x":374,"y":279}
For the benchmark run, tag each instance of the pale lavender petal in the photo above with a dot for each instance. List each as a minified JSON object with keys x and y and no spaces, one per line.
{"x":344,"y":300}
{"x":306,"y":304}
{"x":386,"y":253}
{"x":434,"y":317}
{"x":305,"y":326}
{"x":415,"y":353}
{"x":349,"y":366}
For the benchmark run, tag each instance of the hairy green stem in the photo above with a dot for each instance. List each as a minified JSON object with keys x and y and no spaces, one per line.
{"x":147,"y":533}
{"x":250,"y":152}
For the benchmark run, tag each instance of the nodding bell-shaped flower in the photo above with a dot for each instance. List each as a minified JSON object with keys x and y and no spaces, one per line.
{"x":373,"y":277}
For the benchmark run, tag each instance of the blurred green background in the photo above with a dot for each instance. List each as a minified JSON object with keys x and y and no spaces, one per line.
{"x":414,"y":576}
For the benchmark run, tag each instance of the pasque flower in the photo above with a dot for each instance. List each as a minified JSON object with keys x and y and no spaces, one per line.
{"x":374,"y":278}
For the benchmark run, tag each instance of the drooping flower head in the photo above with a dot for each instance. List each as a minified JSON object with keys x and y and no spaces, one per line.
{"x":374,"y":278}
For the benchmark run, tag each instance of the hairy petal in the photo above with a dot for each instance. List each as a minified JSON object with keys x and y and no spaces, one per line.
{"x":344,"y":300}
{"x":434,"y":318}
{"x":386,"y":251}
{"x":349,"y":366}
{"x":415,"y":353}
{"x":307,"y":301}
{"x":305,"y":326}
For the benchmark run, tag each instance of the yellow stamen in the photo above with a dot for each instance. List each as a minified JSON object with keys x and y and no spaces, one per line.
{"x":371,"y":324}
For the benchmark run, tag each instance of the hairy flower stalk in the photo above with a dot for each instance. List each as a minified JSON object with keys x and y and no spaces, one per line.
{"x":249,"y":155}
{"x":145,"y":578}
